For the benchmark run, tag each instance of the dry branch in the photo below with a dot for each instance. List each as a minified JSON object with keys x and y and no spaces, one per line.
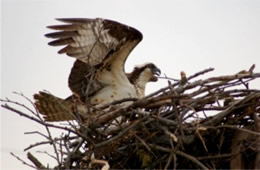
{"x":191,"y":123}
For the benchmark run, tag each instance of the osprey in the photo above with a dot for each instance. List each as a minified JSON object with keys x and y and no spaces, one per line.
{"x":56,"y":109}
{"x":97,"y":77}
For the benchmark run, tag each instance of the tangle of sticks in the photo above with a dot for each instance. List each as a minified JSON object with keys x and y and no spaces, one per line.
{"x":195,"y":123}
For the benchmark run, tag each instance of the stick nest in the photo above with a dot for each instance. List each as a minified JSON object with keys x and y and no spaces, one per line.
{"x":210,"y":123}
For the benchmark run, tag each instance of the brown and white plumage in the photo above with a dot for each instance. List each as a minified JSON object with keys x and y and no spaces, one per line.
{"x":101,"y":48}
{"x":91,"y":40}
{"x":139,"y":77}
{"x":143,"y":74}
{"x":103,"y":45}
{"x":56,"y":109}
{"x":81,"y":81}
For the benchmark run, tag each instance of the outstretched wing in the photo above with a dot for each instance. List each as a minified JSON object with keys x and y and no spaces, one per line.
{"x":91,"y":40}
{"x":100,"y":46}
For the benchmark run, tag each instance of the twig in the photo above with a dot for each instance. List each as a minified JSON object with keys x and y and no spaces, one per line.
{"x":35,"y":161}
{"x":215,"y":156}
{"x":169,"y":161}
{"x":234,"y":127}
{"x":193,"y":159}
{"x":200,"y":73}
{"x":36,"y":132}
{"x":38,"y":144}
{"x":40,"y":122}
{"x":54,"y":146}
{"x":215,"y":120}
{"x":45,"y":152}
{"x":25,"y":163}
{"x":136,"y":123}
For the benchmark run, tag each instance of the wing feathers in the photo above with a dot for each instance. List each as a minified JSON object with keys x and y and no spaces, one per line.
{"x":95,"y":37}
{"x":53,"y":108}
{"x":59,"y":42}
{"x":95,"y":43}
{"x":65,"y":27}
{"x":56,"y":109}
{"x":62,"y":34}
{"x":76,"y":20}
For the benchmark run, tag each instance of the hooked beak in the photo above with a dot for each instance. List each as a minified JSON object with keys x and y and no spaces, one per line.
{"x":156,"y":72}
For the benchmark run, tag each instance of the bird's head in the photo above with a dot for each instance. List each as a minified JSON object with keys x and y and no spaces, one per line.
{"x":145,"y":73}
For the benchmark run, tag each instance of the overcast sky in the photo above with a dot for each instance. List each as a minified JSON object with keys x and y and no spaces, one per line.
{"x":178,"y":36}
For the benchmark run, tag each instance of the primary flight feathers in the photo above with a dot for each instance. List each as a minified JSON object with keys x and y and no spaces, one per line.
{"x":90,"y":40}
{"x":101,"y":48}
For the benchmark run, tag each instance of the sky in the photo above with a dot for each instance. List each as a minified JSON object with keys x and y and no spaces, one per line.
{"x":179,"y":35}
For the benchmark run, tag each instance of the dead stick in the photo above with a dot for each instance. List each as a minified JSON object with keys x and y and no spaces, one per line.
{"x":35,"y":161}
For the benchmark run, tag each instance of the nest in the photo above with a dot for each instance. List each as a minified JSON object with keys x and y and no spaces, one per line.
{"x":192,"y":123}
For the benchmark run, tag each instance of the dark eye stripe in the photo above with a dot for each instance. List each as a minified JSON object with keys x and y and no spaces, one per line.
{"x":151,"y":66}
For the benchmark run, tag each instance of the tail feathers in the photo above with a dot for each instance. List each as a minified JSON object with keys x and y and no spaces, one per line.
{"x":56,"y":109}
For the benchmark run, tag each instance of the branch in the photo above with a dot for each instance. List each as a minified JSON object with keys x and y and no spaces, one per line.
{"x":35,"y":161}
{"x":25,"y":163}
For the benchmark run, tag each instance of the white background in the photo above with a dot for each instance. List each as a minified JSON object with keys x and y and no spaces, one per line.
{"x":184,"y":35}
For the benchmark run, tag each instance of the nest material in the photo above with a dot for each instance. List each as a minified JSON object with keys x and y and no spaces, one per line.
{"x":204,"y":124}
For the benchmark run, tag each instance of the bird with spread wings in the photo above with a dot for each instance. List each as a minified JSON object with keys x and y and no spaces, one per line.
{"x":97,"y":77}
